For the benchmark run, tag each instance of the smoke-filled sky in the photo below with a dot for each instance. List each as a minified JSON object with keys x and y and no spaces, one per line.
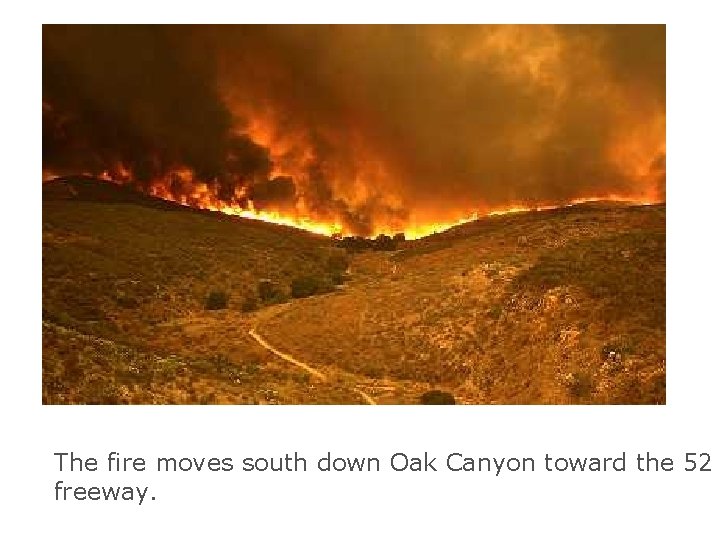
{"x":372,"y":127}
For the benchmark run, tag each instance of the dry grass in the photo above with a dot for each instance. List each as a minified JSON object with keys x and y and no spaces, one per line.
{"x":555,"y":307}
{"x":119,"y":270}
{"x":497,"y":320}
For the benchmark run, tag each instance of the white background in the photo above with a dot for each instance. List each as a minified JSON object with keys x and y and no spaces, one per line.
{"x":387,"y":504}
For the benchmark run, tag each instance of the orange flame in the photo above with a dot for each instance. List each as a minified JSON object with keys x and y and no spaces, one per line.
{"x":411,"y":232}
{"x":188,"y":192}
{"x":299,"y":222}
{"x":419,"y":231}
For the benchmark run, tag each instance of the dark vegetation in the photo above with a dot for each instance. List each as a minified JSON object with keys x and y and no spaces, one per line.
{"x":382,"y":242}
{"x":437,"y":397}
{"x":217,"y":300}
{"x":117,"y":269}
{"x":270,"y":292}
{"x":308,"y":285}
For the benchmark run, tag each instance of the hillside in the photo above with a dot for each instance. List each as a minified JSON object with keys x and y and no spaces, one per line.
{"x":562,"y":306}
{"x":149,"y":302}
{"x":127,"y":270}
{"x":118,"y":269}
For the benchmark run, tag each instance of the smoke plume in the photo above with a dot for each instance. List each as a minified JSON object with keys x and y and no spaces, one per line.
{"x":373,"y":128}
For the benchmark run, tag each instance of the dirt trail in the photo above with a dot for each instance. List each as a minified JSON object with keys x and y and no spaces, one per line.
{"x":302,"y":365}
{"x":257,"y":337}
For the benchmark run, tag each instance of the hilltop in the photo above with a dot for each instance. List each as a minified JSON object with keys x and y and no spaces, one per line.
{"x":146,"y":301}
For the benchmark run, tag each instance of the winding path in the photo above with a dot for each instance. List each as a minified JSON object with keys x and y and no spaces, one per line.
{"x":302,"y":365}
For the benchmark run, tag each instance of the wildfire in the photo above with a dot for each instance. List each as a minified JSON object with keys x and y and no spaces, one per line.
{"x":197,"y":195}
{"x":415,"y":232}
{"x":203,"y":198}
{"x":304,"y":223}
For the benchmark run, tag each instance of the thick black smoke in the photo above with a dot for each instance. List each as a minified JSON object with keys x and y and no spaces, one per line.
{"x":143,"y":99}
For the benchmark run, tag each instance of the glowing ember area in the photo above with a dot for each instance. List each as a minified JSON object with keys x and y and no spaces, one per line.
{"x":306,"y":224}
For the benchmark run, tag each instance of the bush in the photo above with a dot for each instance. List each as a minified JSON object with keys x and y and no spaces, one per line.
{"x":385,"y":243}
{"x":437,"y":397}
{"x":249,"y":304}
{"x":308,"y":285}
{"x":269,"y":292}
{"x":217,"y":300}
{"x":355,"y":244}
